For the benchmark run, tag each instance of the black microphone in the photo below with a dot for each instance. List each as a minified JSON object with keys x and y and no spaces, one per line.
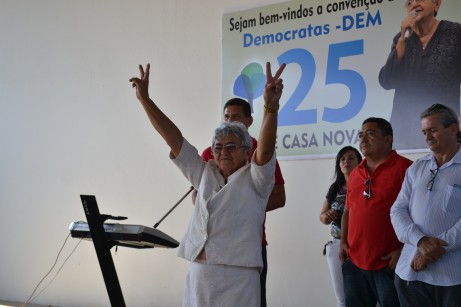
{"x":175,"y":205}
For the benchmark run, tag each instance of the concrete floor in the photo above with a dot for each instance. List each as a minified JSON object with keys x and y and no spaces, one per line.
{"x":17,"y":304}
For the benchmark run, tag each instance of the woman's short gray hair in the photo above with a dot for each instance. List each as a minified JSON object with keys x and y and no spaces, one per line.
{"x":236,"y":128}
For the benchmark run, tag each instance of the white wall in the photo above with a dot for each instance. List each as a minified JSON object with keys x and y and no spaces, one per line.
{"x":70,"y":124}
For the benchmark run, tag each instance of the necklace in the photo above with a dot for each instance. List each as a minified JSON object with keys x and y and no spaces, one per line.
{"x":426,"y":38}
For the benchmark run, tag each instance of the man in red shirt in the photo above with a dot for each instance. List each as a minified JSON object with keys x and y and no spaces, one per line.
{"x":237,"y":109}
{"x":369,"y":246}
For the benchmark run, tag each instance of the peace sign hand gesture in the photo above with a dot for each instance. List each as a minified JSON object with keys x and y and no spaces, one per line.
{"x":142,"y":83}
{"x":274,"y":87}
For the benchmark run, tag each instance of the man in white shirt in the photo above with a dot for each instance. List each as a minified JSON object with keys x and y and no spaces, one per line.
{"x":427,"y":217}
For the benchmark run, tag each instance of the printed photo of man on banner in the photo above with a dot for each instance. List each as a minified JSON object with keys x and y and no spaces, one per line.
{"x":346,"y":61}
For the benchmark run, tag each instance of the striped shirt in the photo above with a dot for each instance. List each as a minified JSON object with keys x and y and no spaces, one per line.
{"x":420,"y":211}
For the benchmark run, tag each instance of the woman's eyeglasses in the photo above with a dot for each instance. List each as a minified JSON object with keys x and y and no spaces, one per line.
{"x":411,"y":2}
{"x":229,"y":147}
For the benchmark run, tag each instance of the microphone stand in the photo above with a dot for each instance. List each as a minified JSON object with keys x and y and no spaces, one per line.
{"x":175,"y":205}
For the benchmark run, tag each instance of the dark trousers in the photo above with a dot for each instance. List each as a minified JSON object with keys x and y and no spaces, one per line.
{"x":421,"y":294}
{"x":364,"y":288}
{"x":263,"y":277}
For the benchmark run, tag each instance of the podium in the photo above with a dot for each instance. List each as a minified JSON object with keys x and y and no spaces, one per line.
{"x":105,"y":236}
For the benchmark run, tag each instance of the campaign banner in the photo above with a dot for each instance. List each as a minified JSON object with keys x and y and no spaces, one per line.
{"x":334,"y":51}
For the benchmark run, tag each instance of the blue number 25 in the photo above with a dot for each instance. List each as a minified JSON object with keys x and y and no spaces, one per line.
{"x":289,"y":116}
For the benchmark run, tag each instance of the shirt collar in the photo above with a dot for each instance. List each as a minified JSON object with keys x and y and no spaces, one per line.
{"x":389,"y":160}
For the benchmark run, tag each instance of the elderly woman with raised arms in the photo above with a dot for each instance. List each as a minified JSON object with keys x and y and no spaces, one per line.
{"x":223,"y":239}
